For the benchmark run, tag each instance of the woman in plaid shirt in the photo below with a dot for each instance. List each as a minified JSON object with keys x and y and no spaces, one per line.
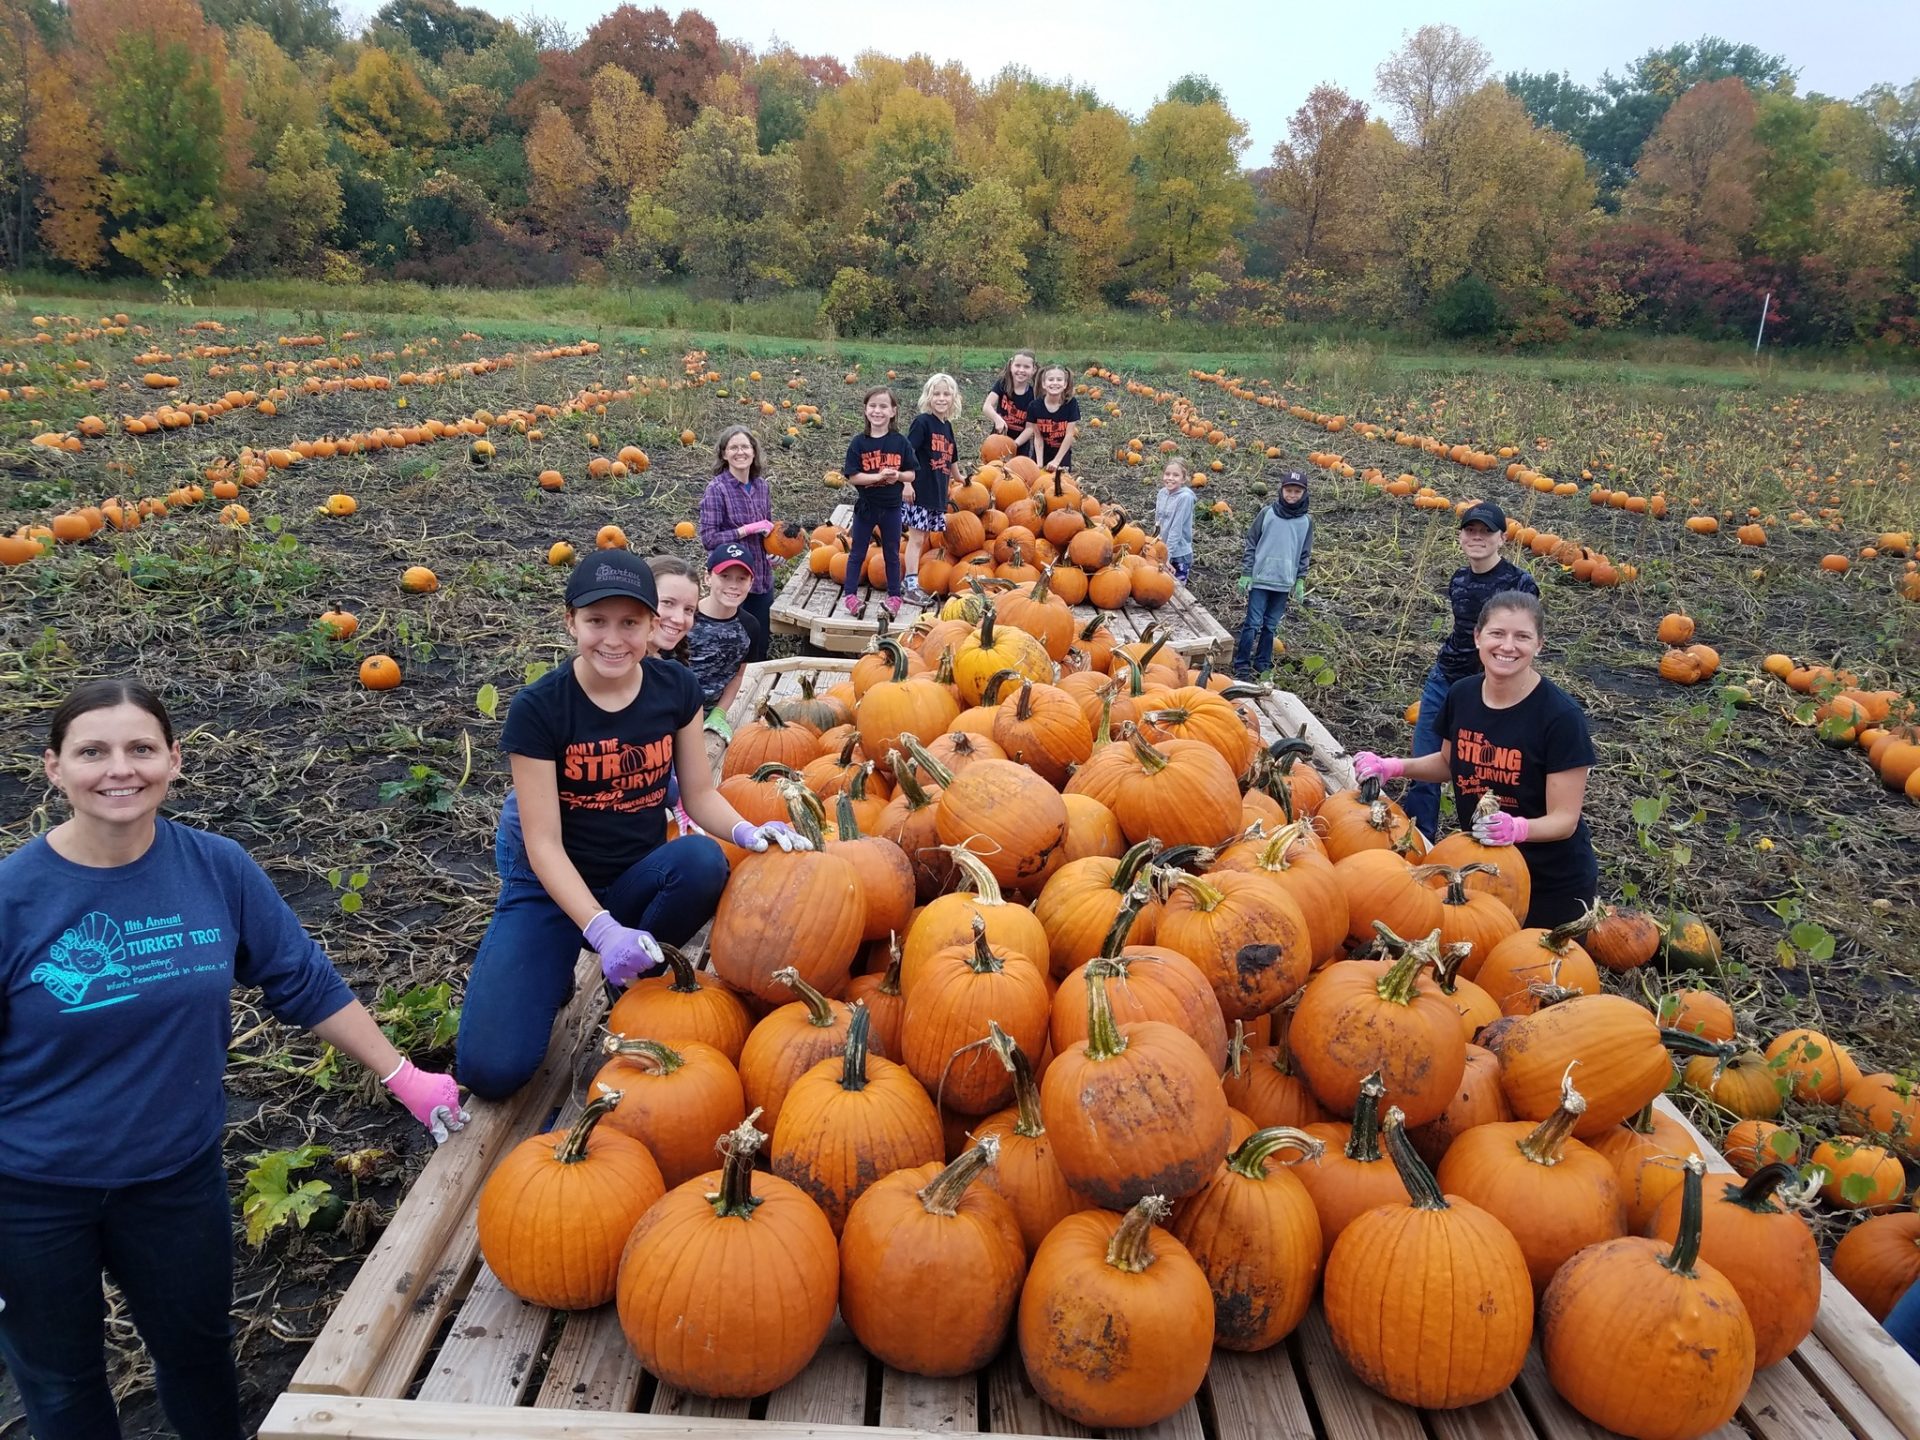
{"x":738,"y":505}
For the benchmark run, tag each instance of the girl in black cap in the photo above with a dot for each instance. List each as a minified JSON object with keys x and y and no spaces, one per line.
{"x":582,"y":847}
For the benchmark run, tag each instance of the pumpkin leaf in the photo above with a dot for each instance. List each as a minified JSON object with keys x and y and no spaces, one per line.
{"x":488,"y":700}
{"x":1813,"y":939}
{"x":269,"y":1199}
{"x":1856,"y":1189}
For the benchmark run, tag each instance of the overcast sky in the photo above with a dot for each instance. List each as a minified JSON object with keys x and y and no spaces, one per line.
{"x":1268,"y":54}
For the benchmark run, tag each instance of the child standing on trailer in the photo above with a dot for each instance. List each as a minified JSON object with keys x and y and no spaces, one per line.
{"x":738,"y":505}
{"x":931,"y":439}
{"x":1055,"y":419}
{"x":1279,"y":545}
{"x":1011,"y":400}
{"x":880,"y":467}
{"x":1173,"y":517}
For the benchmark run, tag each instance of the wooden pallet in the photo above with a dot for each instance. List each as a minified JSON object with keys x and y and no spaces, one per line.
{"x":427,"y":1345}
{"x":808,"y":605}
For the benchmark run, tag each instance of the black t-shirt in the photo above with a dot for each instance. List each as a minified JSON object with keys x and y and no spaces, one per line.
{"x":1014,"y":409}
{"x":611,"y":766}
{"x":933,"y":453}
{"x":1512,"y":752}
{"x":869,"y":454}
{"x":1468,"y":594}
{"x":1051,"y":425}
{"x":716,"y":649}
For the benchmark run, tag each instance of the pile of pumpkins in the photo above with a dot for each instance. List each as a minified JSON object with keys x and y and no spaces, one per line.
{"x":1095,"y":1020}
{"x":1882,"y":723}
{"x":1014,"y":524}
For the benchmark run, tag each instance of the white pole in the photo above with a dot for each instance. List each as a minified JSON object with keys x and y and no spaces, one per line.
{"x":1761,"y":333}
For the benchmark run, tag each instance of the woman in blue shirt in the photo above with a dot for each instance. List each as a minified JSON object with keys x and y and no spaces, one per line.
{"x":122,"y":935}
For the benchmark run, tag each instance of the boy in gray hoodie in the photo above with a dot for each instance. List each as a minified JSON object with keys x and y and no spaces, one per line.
{"x":1279,"y":544}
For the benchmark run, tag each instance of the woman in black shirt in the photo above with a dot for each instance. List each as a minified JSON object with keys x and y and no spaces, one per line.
{"x":1512,"y":732}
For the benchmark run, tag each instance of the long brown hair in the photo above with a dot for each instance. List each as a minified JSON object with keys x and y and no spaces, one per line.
{"x":1006,"y":375}
{"x":663,"y":566}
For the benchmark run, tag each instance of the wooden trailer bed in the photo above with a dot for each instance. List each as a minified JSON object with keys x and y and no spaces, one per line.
{"x":426,"y":1345}
{"x":808,"y":606}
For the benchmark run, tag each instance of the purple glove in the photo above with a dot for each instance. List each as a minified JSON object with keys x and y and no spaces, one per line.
{"x":431,"y":1098}
{"x":1500,"y":828}
{"x":749,"y":836}
{"x":1369,"y":766}
{"x":625,"y":955}
{"x":758,"y":527}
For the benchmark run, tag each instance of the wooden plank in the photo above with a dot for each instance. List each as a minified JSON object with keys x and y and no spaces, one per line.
{"x":1500,"y":1418}
{"x":1183,"y":1424}
{"x":920,"y":1402}
{"x":489,"y":1355}
{"x":352,"y":1417}
{"x":1349,"y":1410}
{"x":1014,"y":1409}
{"x":356,"y":1336}
{"x":446,"y":1288}
{"x":671,"y":1400}
{"x":1783,"y":1405}
{"x":1843,"y":1392}
{"x":1284,"y":713}
{"x":592,"y":1368}
{"x":1257,"y":1397}
{"x":832,"y":1390}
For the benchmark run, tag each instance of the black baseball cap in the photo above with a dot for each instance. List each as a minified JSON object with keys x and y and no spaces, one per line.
{"x":611,"y":574}
{"x":1485,"y":513}
{"x":731,"y":553}
{"x":1293,"y":477}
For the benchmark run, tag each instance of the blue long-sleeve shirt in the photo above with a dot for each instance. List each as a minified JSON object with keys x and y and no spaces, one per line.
{"x":114,"y":1013}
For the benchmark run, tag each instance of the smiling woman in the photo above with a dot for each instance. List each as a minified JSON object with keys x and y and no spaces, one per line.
{"x":121,"y":936}
{"x":1517,"y":750}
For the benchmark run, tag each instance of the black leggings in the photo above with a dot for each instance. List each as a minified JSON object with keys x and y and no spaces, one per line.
{"x":887,"y":517}
{"x":1548,"y":908}
{"x":760,"y":606}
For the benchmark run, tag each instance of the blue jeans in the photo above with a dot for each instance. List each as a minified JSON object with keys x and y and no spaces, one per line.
{"x":522,"y":976}
{"x":1253,"y":651}
{"x":1422,"y":800}
{"x":168,"y":1244}
{"x":1181,"y":565}
{"x":889,"y":519}
{"x":1903,"y":1321}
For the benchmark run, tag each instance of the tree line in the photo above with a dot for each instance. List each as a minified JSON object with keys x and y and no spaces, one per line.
{"x":256,"y":137}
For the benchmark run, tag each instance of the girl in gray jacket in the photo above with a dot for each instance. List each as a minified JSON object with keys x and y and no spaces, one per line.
{"x":1279,"y":544}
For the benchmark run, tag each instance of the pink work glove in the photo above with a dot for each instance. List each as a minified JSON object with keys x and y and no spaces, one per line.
{"x":626,"y":955}
{"x":758,"y":527}
{"x":1500,"y":828}
{"x":749,"y":836}
{"x":1369,"y":766}
{"x":430,"y":1097}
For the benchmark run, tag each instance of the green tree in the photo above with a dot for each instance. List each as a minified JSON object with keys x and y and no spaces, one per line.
{"x":646,"y":252}
{"x":1788,"y":175}
{"x":274,"y":95}
{"x":1635,"y":103}
{"x":736,"y":206}
{"x":295,"y":25}
{"x":1192,"y":89}
{"x":1556,"y":101}
{"x":1190,"y":197}
{"x":974,"y":259}
{"x":786,"y":86}
{"x":300,"y":202}
{"x":383,"y":110}
{"x":434,"y":27}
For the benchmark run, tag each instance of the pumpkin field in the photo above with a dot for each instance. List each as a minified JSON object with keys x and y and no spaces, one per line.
{"x":338,"y":549}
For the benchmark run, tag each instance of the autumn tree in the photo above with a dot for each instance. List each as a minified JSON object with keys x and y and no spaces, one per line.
{"x":560,"y":170}
{"x":1190,"y":196}
{"x":433,"y":28}
{"x":384,"y":112}
{"x":1095,"y":205}
{"x":735,"y":206}
{"x":1696,"y":175}
{"x":64,"y":155}
{"x":673,"y":59}
{"x":786,"y":87}
{"x":1315,"y":179}
{"x":973,"y":259}
{"x":1435,"y":68}
{"x":300,"y":202}
{"x":628,"y":132}
{"x":274,"y":95}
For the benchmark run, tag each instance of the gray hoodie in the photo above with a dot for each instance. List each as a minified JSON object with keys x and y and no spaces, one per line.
{"x":1278,"y":547}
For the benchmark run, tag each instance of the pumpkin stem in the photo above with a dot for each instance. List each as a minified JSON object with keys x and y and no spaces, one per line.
{"x":983,"y":961}
{"x":1363,"y":1137}
{"x":1561,"y":936}
{"x":1369,"y":789}
{"x":921,"y":756}
{"x":1131,"y":862}
{"x":1023,"y":707}
{"x":771,"y":769}
{"x":1236,"y":1052}
{"x":909,"y":783}
{"x":1402,"y":980}
{"x":1130,"y":909}
{"x":1547,"y":1141}
{"x":1447,"y":972}
{"x":1456,"y":876}
{"x":943,"y":674}
{"x":1686,"y":1241}
{"x":1042,"y":586}
{"x":1131,"y":1248}
{"x":1103,"y":732}
{"x":986,"y":626}
{"x":941,"y":1195}
{"x":1486,"y":809}
{"x":804,"y":808}
{"x":1245,"y":690}
{"x":1251,"y":1158}
{"x":573,"y":1149}
{"x":1206,"y":897}
{"x":684,"y":981}
{"x":990,"y":692}
{"x":846,"y":749}
{"x":1273,"y":854}
{"x":1641,"y":1121}
{"x":1422,"y":1188}
{"x":770,"y":717}
{"x":894,"y":651}
{"x":857,"y":782}
{"x":1757,"y":1194}
{"x":846,"y":824}
{"x":1151,"y":760}
{"x":652,"y":1056}
{"x":1685,"y":1042}
{"x":819,"y":1008}
{"x":1091,"y":628}
{"x":853,"y":1068}
{"x":1026,"y":1090}
{"x":1104,"y":1040}
{"x":890,"y":981}
{"x":973,"y":871}
{"x":735,"y":1199}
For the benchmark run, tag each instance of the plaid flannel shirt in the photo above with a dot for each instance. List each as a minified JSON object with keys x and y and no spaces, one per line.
{"x":725,"y":507}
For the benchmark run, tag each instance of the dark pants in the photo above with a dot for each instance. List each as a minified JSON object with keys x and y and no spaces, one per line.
{"x":1548,"y":908}
{"x":1181,"y":565}
{"x":1422,"y":800}
{"x":887,"y":517}
{"x":522,"y":976}
{"x":759,"y":604}
{"x":1253,"y":651}
{"x":168,"y":1244}
{"x":1903,"y":1321}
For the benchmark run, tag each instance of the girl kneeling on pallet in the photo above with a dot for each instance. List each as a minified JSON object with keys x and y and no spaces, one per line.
{"x":122,"y":934}
{"x":1511,"y":731}
{"x":582,"y":847}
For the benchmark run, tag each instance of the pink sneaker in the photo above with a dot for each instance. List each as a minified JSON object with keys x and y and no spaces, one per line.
{"x":893,"y":604}
{"x":852,"y":604}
